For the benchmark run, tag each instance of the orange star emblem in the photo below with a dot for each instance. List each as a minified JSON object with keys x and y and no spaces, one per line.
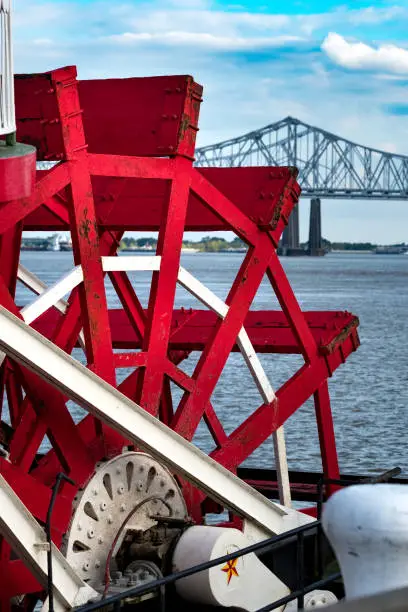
{"x":230,"y":569}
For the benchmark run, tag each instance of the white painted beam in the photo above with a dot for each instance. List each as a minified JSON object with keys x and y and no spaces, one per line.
{"x":214,"y":303}
{"x":103,"y":401}
{"x":52,"y":295}
{"x":28,"y":539}
{"x":36,"y":285}
{"x":131,"y":263}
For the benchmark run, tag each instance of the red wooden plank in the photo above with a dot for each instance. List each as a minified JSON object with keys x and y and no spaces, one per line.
{"x":261,"y":192}
{"x":139,"y":206}
{"x":131,"y":167}
{"x":268,"y":331}
{"x":10,"y":243}
{"x":36,"y":496}
{"x":84,"y":232}
{"x":217,"y":350}
{"x":14,"y":395}
{"x":50,"y":183}
{"x":290,"y":306}
{"x":149,"y":111}
{"x":260,"y":425}
{"x":163,"y":289}
{"x":48,"y":404}
{"x":327,"y":438}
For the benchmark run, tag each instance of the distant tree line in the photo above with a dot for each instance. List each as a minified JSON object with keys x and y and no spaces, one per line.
{"x":215,"y":244}
{"x":209,"y":244}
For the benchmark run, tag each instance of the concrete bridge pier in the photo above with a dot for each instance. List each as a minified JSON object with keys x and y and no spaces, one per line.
{"x":290,"y":238}
{"x":315,"y":228}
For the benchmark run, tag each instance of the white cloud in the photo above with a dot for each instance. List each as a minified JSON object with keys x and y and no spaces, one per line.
{"x":359,"y":56}
{"x":203,"y":39}
{"x":43,"y":42}
{"x":372,"y":15}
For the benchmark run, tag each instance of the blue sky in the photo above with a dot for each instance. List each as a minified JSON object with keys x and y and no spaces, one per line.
{"x":342,"y":66}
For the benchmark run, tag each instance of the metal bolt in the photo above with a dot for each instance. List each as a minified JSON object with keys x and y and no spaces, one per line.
{"x":120,"y":489}
{"x":103,"y":506}
{"x":91,"y":534}
{"x":97,"y":564}
{"x":85,"y":566}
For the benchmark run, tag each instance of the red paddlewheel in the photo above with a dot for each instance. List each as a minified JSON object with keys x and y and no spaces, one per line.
{"x":125,"y":152}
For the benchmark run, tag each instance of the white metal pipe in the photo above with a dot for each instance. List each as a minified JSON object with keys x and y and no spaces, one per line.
{"x":7,"y":109}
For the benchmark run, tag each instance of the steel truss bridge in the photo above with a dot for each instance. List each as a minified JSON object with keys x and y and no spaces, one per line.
{"x":329,"y":167}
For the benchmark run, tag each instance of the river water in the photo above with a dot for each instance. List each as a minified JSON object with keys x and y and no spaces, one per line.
{"x":369,"y":393}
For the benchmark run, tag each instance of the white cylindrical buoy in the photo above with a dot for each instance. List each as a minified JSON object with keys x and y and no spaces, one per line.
{"x":243,"y":583}
{"x":367,"y":526}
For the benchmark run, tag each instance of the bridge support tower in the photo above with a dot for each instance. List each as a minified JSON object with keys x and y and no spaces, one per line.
{"x":315,"y":228}
{"x":290,"y":238}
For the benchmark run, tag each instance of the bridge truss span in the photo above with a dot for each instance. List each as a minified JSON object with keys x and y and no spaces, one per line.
{"x":329,"y":166}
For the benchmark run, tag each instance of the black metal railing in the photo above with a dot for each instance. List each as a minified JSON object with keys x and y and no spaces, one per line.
{"x":345,"y":482}
{"x":265,"y":546}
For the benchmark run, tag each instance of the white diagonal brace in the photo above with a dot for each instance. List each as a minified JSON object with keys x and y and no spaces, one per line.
{"x":85,"y":388}
{"x":52,"y":295}
{"x":207,"y":297}
{"x":36,"y":285}
{"x":27,"y":538}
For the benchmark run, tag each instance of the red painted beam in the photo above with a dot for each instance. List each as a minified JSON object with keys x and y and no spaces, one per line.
{"x":268,"y":331}
{"x":264,"y":195}
{"x":134,"y":116}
